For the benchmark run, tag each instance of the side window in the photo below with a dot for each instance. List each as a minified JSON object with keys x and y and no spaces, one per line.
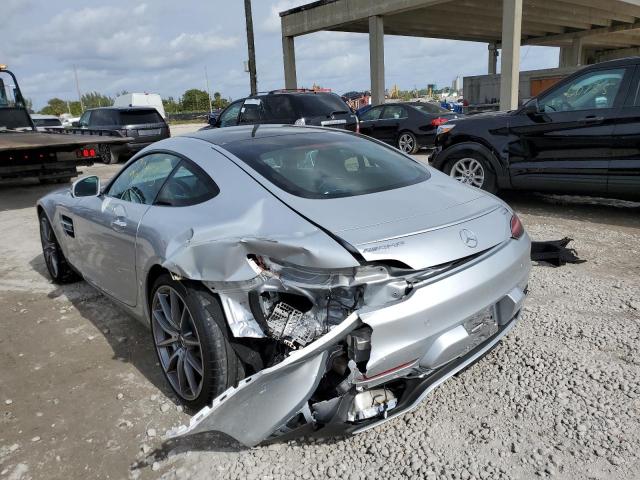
{"x":393,"y":112}
{"x":373,"y":114}
{"x":592,"y":90}
{"x":278,"y":108}
{"x":251,"y":111}
{"x":84,"y":119}
{"x":101,"y":118}
{"x":230,"y":116}
{"x":141,"y":181}
{"x":187,"y":185}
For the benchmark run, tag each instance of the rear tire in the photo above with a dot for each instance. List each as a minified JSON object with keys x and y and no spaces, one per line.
{"x":472,"y":168}
{"x":57,"y":265}
{"x":111,"y":158}
{"x":408,"y":143}
{"x":195,"y":355}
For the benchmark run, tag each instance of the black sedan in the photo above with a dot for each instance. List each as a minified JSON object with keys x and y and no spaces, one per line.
{"x":408,"y":126}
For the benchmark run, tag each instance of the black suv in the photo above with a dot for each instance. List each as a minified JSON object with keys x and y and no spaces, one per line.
{"x":581,"y":136}
{"x":143,"y":125}
{"x":294,"y":107}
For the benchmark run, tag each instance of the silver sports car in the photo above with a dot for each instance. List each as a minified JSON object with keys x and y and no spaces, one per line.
{"x":295,"y":279}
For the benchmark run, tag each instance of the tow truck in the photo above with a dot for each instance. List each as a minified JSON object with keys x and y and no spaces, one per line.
{"x":49,"y":156}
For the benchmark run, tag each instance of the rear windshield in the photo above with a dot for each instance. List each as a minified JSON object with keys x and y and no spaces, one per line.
{"x":431,"y":108}
{"x":47,"y":122}
{"x":320,"y":104}
{"x":328,"y":165}
{"x":138,"y":117}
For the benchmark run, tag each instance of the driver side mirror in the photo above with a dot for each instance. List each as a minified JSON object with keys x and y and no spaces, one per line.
{"x":532,"y":108}
{"x":75,"y":124}
{"x":86,"y":187}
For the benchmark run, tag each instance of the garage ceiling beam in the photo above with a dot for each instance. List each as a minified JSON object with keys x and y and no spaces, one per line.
{"x":616,"y":7}
{"x":484,"y":18}
{"x":562,"y":37}
{"x":330,"y":15}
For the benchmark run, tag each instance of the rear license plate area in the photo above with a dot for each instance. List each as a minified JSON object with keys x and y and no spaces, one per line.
{"x":149,"y":133}
{"x":481,"y":326}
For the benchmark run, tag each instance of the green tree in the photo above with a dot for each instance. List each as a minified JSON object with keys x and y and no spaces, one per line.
{"x":55,"y":106}
{"x":194,"y":100}
{"x":76,"y":108}
{"x":95,"y":99}
{"x":170,"y":105}
{"x":218,"y":101}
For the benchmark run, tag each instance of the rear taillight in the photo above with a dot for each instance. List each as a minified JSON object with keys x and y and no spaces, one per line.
{"x":516,"y":227}
{"x":86,"y":153}
{"x":436,"y":122}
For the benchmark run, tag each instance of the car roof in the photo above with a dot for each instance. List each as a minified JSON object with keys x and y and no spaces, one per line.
{"x":39,"y":116}
{"x":292,"y":92}
{"x":221,"y":136}
{"x":619,"y":62}
{"x":124,"y":109}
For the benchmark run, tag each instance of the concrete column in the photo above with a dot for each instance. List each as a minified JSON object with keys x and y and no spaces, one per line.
{"x":573,"y":55}
{"x":510,"y":66}
{"x":376,"y":59}
{"x":564,"y":58}
{"x":492,"y":67}
{"x":289,"y":59}
{"x":576,"y":51}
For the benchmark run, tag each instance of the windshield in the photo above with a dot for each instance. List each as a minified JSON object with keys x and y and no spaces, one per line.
{"x":328,"y":165}
{"x":8,"y":92}
{"x":431,"y":108}
{"x":13,"y":114}
{"x":46,"y":122}
{"x":320,"y":104}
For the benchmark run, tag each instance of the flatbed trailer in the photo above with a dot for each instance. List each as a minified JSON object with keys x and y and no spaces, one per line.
{"x":52,"y":156}
{"x":48,"y":156}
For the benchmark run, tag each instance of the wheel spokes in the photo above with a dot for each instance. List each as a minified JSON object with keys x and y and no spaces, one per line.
{"x":177,"y":343}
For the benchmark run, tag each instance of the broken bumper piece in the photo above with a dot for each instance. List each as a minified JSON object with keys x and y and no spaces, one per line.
{"x":379,"y":362}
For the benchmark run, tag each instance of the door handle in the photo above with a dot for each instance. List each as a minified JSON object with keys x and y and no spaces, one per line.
{"x":591,"y":120}
{"x":119,"y":224}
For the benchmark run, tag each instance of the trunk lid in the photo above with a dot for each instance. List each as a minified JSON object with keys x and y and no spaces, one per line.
{"x":422,"y":225}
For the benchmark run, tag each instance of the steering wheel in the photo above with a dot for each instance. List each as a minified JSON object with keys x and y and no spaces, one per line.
{"x":180,"y":188}
{"x":135,"y":194}
{"x":324,"y":182}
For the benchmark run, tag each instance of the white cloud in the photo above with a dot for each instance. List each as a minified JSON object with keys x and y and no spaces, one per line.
{"x":164,"y":45}
{"x":271,"y":24}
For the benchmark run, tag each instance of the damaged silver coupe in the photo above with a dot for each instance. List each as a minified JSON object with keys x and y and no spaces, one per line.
{"x":296,"y":280}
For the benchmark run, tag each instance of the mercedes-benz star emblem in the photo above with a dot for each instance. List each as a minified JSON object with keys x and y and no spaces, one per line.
{"x":469,"y":238}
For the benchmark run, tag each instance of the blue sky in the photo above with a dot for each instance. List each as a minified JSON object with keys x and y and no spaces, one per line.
{"x":163,"y":46}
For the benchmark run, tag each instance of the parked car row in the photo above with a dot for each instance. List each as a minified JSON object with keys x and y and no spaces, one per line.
{"x":579,"y":137}
{"x":407,"y":126}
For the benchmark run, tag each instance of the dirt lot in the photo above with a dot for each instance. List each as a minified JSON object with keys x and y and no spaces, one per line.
{"x":81,"y":395}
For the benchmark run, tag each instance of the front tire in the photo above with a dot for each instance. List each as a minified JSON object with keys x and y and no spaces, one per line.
{"x":408,"y":143}
{"x":57,"y":265}
{"x":189,"y":334}
{"x":472,"y":168}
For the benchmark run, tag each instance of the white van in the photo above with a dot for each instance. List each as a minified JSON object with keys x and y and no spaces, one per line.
{"x":140,"y":100}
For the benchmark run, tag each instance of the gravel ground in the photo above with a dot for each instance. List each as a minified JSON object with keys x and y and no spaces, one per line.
{"x":81,"y":395}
